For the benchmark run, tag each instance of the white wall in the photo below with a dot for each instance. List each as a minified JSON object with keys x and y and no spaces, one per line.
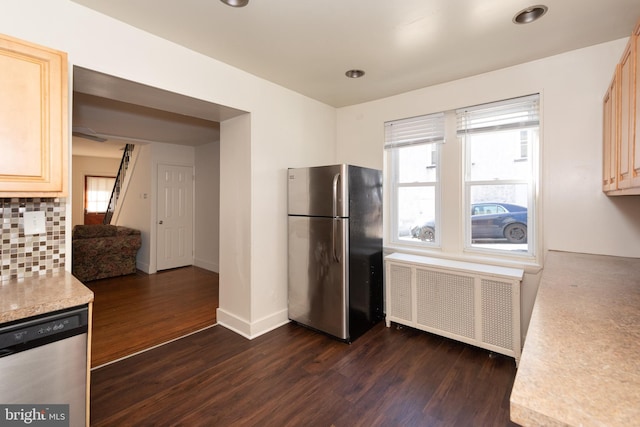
{"x":169,"y":154}
{"x":136,"y":202}
{"x":83,"y":166}
{"x":302,"y":135}
{"x":207,"y":206}
{"x":576,"y":215}
{"x":285,"y":129}
{"x":139,"y":207}
{"x":235,"y":222}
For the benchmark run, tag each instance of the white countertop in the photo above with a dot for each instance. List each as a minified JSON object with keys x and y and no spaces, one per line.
{"x":581,"y":360}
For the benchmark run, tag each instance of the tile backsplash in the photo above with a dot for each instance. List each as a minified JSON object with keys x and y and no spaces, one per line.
{"x":27,"y":256}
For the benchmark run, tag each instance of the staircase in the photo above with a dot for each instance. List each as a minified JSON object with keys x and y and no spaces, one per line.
{"x":118,"y":185}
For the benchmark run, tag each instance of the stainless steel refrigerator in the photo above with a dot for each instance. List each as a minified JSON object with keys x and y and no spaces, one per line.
{"x":335,"y":249}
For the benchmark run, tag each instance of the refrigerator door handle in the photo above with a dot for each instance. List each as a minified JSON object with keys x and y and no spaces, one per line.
{"x":335,"y":221}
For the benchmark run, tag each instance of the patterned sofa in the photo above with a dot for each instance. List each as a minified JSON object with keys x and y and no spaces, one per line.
{"x":101,"y":251}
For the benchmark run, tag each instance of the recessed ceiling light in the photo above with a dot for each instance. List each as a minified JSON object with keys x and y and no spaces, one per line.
{"x":530,"y":14}
{"x":235,"y":3}
{"x":354,"y":74}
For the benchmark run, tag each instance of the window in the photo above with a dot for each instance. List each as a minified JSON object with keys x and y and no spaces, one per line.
{"x":499,"y":174}
{"x":524,"y":144}
{"x":487,"y":179}
{"x":412,"y":146}
{"x":97,"y":193}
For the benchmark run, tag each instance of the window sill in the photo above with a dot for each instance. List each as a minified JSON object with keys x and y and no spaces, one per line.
{"x":529,"y":265}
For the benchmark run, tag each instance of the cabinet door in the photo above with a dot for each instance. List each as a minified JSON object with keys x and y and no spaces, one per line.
{"x":626,"y":129}
{"x":33,"y":120}
{"x":635,"y":113}
{"x":609,"y":137}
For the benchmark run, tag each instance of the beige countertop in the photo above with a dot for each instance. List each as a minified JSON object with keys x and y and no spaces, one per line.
{"x":24,"y":298}
{"x":581,"y":360}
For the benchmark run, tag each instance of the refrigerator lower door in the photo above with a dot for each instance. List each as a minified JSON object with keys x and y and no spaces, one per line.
{"x":318,"y":274}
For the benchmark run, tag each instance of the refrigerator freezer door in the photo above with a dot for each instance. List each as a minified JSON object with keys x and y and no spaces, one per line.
{"x":318,"y":274}
{"x":319,"y":191}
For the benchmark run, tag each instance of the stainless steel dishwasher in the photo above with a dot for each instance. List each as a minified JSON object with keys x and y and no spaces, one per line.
{"x":43,"y":361}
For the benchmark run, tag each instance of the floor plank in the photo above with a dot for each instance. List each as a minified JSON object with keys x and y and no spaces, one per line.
{"x":135,"y":312}
{"x":296,"y":377}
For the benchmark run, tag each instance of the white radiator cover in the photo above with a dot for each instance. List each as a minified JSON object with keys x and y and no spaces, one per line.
{"x":477,"y":304}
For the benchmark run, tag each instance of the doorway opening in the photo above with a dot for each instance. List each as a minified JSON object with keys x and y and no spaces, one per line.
{"x":161,"y":124}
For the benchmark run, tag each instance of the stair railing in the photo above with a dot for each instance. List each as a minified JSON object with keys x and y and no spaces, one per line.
{"x":117,"y":186}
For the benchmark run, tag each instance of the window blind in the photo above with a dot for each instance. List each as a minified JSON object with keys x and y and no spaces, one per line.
{"x":426,"y":129}
{"x":98,"y":191}
{"x":516,"y":113}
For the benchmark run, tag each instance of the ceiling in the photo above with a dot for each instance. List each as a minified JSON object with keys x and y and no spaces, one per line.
{"x":119,"y":111}
{"x":135,"y":123}
{"x":307,"y":45}
{"x":402,"y":45}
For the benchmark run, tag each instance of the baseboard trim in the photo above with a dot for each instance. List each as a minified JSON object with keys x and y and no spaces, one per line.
{"x":251,"y":330}
{"x":269,"y":323}
{"x":211,"y":266}
{"x":143,"y":267}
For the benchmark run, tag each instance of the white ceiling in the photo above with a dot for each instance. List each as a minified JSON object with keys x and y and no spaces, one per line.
{"x":120,"y":123}
{"x":307,"y":45}
{"x":122,"y":112}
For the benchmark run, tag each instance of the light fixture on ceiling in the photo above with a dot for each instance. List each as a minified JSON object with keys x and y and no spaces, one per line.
{"x":235,"y":3}
{"x":354,"y":74}
{"x":530,"y":14}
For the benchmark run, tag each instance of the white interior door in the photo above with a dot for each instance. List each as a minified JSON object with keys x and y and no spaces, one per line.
{"x":175,"y":216}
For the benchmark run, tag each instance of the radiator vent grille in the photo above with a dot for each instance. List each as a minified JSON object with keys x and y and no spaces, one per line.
{"x":445,"y":302}
{"x":477,"y":304}
{"x":400,"y":292}
{"x":497,"y":313}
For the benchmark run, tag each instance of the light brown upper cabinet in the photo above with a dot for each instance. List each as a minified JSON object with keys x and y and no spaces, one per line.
{"x":621,"y":124}
{"x":610,"y":135}
{"x":34,"y":136}
{"x":634,"y":148}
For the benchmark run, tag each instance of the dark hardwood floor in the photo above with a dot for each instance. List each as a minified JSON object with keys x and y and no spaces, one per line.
{"x":295,"y":377}
{"x":138,"y":311}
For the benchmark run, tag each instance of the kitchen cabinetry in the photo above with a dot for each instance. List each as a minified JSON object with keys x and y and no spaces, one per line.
{"x":621,"y":125}
{"x":610,"y":135}
{"x":635,"y":140}
{"x":33,"y":120}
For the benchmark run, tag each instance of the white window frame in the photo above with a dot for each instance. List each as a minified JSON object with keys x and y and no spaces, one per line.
{"x":524,"y":121}
{"x":395,"y":187}
{"x":450,"y":239}
{"x":414,"y":131}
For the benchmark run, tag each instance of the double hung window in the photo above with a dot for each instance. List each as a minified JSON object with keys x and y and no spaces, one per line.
{"x":490,"y":162}
{"x":413,"y":147}
{"x":499,"y":173}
